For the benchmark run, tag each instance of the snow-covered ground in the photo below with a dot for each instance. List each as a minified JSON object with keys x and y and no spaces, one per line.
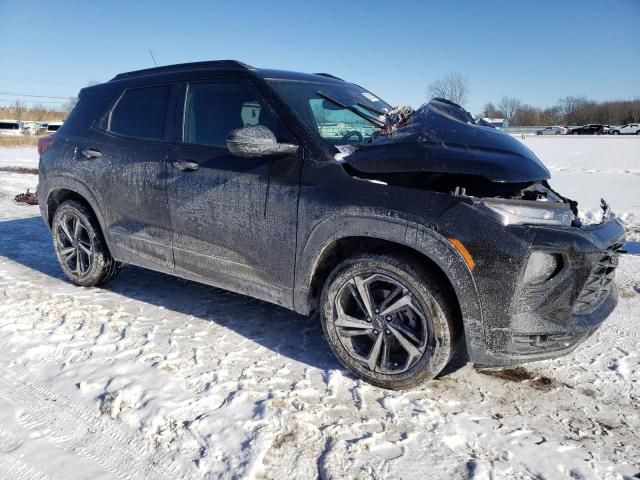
{"x":589,"y":168}
{"x":26,"y":157}
{"x":156,"y":377}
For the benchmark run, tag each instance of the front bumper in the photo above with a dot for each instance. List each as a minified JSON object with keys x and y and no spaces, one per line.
{"x":523,"y":321}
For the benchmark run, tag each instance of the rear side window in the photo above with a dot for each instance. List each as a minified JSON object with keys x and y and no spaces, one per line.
{"x":141,"y":113}
{"x":213,"y":110}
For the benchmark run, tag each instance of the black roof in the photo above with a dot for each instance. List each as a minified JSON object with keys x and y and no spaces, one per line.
{"x":227,"y":65}
{"x":186,"y":67}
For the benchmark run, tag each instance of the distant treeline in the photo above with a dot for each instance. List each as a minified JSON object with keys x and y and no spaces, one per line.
{"x":36,"y":112}
{"x":568,"y":111}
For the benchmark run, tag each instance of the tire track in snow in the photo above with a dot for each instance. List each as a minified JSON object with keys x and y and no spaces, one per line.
{"x":75,"y":430}
{"x":18,"y":469}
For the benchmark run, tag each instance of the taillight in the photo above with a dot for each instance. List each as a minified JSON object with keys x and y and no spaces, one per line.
{"x":45,"y":143}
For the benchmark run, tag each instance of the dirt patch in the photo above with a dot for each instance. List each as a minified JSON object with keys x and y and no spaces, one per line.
{"x":19,"y":141}
{"x":628,"y":290}
{"x":522,"y":375}
{"x":33,"y":171}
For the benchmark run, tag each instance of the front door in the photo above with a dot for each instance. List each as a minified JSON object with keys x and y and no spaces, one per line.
{"x":234,"y":219}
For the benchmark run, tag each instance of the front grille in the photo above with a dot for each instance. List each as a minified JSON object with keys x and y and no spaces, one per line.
{"x":599,"y":283}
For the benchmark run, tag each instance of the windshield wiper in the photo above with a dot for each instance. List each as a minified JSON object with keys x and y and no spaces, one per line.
{"x":353,"y":109}
{"x":372,"y":109}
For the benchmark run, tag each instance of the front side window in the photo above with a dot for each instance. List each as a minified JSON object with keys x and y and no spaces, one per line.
{"x":328,"y":109}
{"x":213,"y":110}
{"x":141,"y":113}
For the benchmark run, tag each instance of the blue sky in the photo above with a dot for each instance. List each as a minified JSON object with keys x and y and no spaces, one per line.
{"x":538,"y":50}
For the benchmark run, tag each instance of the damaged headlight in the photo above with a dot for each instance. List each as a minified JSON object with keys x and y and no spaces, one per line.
{"x":524,"y":212}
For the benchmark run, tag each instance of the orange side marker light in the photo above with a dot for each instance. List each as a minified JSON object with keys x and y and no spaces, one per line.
{"x":458,"y":245}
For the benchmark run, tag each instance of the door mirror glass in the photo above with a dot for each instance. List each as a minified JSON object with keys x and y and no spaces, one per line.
{"x":257,"y":141}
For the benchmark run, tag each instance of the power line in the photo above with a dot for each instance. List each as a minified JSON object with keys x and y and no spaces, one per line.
{"x":32,"y":95}
{"x":11,"y":102}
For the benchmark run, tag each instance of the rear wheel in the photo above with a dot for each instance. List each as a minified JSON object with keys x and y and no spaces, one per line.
{"x":387,"y":321}
{"x":80,"y":247}
{"x":616,"y":132}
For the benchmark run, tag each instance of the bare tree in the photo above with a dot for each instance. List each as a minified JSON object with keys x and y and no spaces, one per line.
{"x":454,"y":87}
{"x":70,"y":104}
{"x":18,"y":109}
{"x":526,"y":115}
{"x":490,"y":111}
{"x":573,"y":109}
{"x":38,"y":112}
{"x":509,"y":106}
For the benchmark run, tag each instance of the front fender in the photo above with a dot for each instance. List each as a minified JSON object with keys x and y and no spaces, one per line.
{"x":403,"y":232}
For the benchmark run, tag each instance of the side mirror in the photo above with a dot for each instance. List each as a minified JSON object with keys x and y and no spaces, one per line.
{"x":257,"y":141}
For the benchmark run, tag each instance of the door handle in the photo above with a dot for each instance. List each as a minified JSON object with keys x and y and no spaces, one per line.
{"x":185,"y":165}
{"x":91,"y":153}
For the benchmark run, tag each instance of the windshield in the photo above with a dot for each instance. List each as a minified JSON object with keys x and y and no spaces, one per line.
{"x":342,"y":114}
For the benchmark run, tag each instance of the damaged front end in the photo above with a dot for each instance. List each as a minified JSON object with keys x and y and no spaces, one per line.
{"x":544,"y":280}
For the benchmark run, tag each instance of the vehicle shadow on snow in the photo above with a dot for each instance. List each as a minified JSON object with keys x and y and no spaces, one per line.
{"x":27,"y":241}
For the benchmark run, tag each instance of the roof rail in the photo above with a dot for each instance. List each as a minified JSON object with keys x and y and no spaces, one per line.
{"x":329,"y":75}
{"x":182,"y":67}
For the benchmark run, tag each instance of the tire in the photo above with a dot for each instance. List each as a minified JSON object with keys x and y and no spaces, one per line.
{"x":379,"y":353}
{"x":557,"y":133}
{"x":80,"y":247}
{"x":638,"y":132}
{"x":615,"y":132}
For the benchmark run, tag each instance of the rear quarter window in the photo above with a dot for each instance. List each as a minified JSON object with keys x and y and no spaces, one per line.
{"x":141,"y":112}
{"x":88,"y":108}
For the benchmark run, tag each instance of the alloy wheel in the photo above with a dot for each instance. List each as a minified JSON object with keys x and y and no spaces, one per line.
{"x":380,"y":323}
{"x":75,"y":246}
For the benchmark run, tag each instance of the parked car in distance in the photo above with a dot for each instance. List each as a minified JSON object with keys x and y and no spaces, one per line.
{"x":552,"y":131}
{"x":53,"y":126}
{"x":628,"y":129}
{"x":11,"y":128}
{"x":413,"y":234}
{"x":589,"y":129}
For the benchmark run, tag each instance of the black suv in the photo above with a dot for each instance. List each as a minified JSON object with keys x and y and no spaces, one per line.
{"x":412,"y":233}
{"x":589,"y":129}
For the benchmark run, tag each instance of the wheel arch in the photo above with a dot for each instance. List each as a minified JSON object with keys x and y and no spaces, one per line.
{"x":64,"y":188}
{"x":338,"y":238}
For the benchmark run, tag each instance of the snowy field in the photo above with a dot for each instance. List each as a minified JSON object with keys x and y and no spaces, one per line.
{"x":156,"y":377}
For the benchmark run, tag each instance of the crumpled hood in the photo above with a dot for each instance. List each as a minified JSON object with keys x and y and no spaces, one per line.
{"x":440,"y":138}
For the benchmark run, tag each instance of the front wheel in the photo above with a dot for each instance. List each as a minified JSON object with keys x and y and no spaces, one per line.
{"x":80,"y":247}
{"x":388,"y":322}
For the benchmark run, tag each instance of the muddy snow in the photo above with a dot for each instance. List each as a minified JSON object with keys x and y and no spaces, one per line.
{"x":157,"y":377}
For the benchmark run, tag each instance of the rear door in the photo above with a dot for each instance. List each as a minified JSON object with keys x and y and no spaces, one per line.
{"x":128,"y":155}
{"x":234,"y":219}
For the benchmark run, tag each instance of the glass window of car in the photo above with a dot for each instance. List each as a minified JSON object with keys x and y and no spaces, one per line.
{"x":213,"y":110}
{"x":332,"y":122}
{"x":141,"y":113}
